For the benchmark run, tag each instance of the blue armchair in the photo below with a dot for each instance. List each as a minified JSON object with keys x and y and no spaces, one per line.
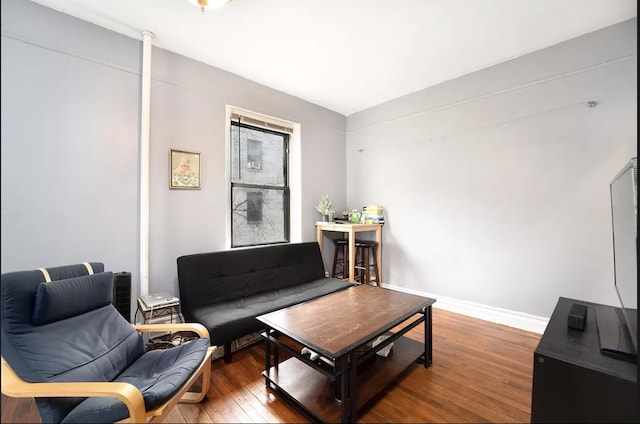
{"x":66,"y":345}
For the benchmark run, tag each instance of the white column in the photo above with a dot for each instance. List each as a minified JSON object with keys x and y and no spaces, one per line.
{"x":145,"y":123}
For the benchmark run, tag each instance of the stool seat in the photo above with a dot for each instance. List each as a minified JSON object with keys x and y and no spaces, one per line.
{"x":366,"y":243}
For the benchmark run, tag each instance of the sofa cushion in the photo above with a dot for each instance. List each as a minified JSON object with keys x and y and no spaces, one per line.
{"x":230,"y":319}
{"x":209,"y":278}
{"x":54,"y":302}
{"x":154,"y":374}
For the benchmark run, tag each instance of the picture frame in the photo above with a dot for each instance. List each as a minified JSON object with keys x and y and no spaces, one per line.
{"x":184,"y":170}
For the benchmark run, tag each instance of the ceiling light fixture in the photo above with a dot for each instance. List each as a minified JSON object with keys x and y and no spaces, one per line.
{"x":209,"y":4}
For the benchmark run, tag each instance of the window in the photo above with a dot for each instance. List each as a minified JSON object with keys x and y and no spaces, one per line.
{"x":259,"y":181}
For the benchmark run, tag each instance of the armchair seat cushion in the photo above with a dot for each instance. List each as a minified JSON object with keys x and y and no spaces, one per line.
{"x":158,"y":374}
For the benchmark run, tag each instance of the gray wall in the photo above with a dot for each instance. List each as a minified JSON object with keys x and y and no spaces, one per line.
{"x":69,"y":141}
{"x":70,"y":147}
{"x":496,"y":184}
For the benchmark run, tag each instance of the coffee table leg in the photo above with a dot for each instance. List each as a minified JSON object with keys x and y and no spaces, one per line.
{"x":344,"y":388}
{"x":348,"y":388}
{"x":428,"y":338}
{"x":276,"y":356}
{"x":353,"y":387}
{"x":267,"y":357}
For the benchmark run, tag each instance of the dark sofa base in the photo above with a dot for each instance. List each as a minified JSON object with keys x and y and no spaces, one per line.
{"x":236,"y":345}
{"x":226,"y":290}
{"x":229,"y":320}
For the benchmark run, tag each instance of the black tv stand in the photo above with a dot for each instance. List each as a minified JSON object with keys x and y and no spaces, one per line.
{"x":573,"y":381}
{"x":613,"y":334}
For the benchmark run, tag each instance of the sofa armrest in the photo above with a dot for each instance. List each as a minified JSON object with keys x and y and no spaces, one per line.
{"x":14,"y":386}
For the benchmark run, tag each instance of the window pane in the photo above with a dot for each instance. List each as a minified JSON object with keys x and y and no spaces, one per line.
{"x":254,"y":206}
{"x":247,"y":203}
{"x":257,"y":156}
{"x":254,"y":154}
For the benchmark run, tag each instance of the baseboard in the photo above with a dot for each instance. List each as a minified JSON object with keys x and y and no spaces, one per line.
{"x":523,"y":321}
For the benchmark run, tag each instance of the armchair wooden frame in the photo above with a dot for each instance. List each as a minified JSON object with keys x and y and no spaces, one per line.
{"x":14,"y":386}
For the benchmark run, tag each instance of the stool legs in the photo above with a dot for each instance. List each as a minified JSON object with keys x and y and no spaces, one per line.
{"x":364,"y":264}
{"x":345,"y":261}
{"x":340,"y":257}
{"x":375,"y":264}
{"x":335,"y":262}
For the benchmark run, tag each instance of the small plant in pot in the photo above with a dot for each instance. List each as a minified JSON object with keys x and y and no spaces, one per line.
{"x":325,"y":207}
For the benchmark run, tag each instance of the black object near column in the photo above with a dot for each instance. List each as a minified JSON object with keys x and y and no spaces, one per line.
{"x":122,"y":293}
{"x":573,"y":381}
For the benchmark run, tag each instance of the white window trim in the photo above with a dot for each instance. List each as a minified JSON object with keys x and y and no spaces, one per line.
{"x":295,"y":172}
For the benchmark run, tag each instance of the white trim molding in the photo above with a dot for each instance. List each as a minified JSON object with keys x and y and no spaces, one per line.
{"x":294,"y":168}
{"x":523,"y":321}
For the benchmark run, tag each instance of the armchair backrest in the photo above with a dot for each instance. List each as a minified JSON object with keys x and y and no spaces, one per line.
{"x":64,"y":330}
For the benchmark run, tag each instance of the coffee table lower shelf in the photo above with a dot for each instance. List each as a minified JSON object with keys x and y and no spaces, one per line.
{"x":309,"y":389}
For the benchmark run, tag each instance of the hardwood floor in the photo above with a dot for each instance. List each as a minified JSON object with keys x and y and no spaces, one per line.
{"x":481,"y":372}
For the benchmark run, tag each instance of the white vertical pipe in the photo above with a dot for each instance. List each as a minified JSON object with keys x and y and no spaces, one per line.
{"x":145,"y":123}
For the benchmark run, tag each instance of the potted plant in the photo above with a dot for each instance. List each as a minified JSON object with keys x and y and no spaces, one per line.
{"x":325,"y":207}
{"x":355,"y":216}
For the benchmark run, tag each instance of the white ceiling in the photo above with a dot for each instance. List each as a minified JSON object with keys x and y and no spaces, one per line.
{"x":349,"y":55}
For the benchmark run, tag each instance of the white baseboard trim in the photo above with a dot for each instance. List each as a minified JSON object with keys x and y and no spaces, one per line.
{"x":523,"y":321}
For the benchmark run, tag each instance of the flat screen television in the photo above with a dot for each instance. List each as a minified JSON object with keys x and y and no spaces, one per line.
{"x":618,"y":328}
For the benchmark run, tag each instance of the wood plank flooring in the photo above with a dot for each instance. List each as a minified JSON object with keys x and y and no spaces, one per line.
{"x":481,"y":372}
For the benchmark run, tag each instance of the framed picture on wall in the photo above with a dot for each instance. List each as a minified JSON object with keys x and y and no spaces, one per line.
{"x":184,"y":169}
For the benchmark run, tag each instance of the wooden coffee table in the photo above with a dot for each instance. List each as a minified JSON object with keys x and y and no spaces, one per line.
{"x":340,"y":327}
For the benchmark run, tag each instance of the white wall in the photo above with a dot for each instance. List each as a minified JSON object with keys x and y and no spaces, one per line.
{"x":496,"y":184}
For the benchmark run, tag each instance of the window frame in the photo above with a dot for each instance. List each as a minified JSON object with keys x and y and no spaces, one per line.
{"x":285,"y":188}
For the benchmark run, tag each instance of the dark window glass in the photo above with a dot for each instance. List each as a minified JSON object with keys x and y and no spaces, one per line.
{"x":254,"y":206}
{"x":254,"y":154}
{"x":259,"y":186}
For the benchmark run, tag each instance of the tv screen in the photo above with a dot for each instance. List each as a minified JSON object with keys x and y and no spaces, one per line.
{"x":619,"y":334}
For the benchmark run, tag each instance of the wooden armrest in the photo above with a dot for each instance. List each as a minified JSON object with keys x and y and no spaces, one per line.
{"x":197,"y":328}
{"x":14,"y":386}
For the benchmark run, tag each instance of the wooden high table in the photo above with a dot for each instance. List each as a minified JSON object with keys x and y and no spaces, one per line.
{"x":350,"y":229}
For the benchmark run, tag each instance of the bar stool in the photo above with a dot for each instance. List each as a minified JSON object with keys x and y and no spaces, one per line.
{"x":365,"y":249}
{"x":340,"y":258}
